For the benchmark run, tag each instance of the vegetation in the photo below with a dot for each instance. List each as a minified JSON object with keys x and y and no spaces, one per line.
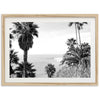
{"x":25,"y":32}
{"x":13,"y":57}
{"x":50,"y":69}
{"x":29,"y":70}
{"x":78,"y":27}
{"x":75,"y":62}
{"x":77,"y":57}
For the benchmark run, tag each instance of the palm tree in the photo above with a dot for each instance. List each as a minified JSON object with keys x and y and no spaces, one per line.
{"x":70,"y":24}
{"x":78,"y":27}
{"x":78,"y":56}
{"x":13,"y":60}
{"x":29,"y":70}
{"x":50,"y":69}
{"x":25,"y":31}
{"x":13,"y":56}
{"x":71,"y":43}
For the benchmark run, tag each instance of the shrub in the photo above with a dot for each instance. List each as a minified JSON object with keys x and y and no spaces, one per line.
{"x":50,"y":69}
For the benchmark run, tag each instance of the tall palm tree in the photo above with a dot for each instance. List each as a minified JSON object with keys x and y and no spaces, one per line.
{"x":70,"y":24}
{"x":25,"y":31}
{"x":78,"y":27}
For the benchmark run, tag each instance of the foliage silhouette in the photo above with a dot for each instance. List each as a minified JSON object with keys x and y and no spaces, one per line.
{"x":78,"y":27}
{"x":25,"y":32}
{"x":50,"y":69}
{"x":29,"y":70}
{"x":13,"y":57}
{"x":76,"y":55}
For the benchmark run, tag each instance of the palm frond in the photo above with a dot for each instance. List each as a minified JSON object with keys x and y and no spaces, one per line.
{"x":35,"y":33}
{"x":70,"y":24}
{"x":85,"y":22}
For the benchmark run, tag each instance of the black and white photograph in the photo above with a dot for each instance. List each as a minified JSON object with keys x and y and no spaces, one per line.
{"x":50,"y":49}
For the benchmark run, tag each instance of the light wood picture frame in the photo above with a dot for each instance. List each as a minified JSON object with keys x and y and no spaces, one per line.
{"x":65,"y":52}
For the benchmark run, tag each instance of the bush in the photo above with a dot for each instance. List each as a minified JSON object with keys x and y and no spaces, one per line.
{"x":50,"y":69}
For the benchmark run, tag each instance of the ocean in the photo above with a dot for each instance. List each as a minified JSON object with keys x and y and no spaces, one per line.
{"x":40,"y":61}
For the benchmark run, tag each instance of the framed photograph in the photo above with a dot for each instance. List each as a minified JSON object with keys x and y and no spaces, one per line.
{"x":52,"y":49}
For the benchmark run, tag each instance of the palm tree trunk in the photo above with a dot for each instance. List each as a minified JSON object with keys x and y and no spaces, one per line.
{"x":76,"y":33}
{"x":79,"y":37}
{"x":25,"y":62}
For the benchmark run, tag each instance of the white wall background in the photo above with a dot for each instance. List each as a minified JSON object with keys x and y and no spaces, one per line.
{"x":49,"y":92}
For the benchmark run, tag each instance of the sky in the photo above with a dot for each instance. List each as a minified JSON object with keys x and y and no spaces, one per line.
{"x":53,"y":36}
